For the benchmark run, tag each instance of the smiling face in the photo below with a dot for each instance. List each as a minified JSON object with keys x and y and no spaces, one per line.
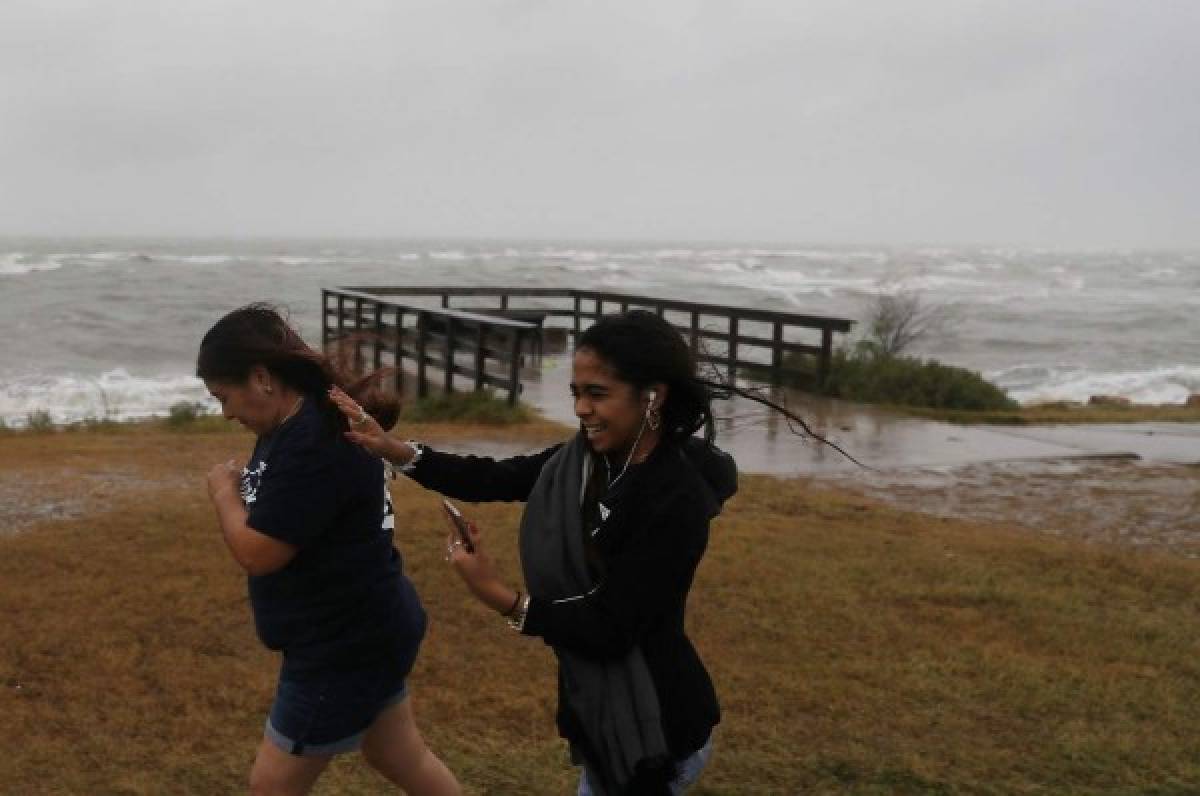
{"x":610,"y":411}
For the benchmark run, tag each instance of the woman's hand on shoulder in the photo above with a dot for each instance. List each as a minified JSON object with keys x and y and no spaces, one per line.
{"x":364,"y":429}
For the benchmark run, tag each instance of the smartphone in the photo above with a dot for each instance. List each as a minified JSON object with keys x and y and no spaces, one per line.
{"x":460,"y":523}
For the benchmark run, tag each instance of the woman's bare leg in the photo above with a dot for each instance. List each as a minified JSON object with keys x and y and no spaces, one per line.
{"x":393,"y":746}
{"x":276,"y":773}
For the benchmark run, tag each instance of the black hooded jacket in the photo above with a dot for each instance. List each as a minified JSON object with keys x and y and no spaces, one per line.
{"x":654,"y":534}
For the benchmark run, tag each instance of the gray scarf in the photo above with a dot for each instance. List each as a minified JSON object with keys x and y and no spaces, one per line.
{"x":614,"y":701}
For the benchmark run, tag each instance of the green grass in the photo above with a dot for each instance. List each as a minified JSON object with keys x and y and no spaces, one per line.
{"x":39,"y":422}
{"x":867,"y":377}
{"x":1062,"y":413}
{"x":864,"y":376}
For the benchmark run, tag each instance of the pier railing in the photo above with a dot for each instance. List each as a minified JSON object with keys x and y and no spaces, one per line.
{"x":485,"y":336}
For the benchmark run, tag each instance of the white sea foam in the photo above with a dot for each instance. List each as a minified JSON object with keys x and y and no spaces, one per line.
{"x":584,"y":268}
{"x":111,"y":257}
{"x":205,"y":259}
{"x":114,"y":395}
{"x":1038,"y":383}
{"x":961,"y":268}
{"x":19,"y":264}
{"x":825,"y":255}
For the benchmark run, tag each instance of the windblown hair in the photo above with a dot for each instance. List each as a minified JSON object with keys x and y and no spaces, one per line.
{"x":258,"y":334}
{"x":642,"y":348}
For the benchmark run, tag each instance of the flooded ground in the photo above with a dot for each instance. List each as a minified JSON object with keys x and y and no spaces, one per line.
{"x":1132,"y":484}
{"x":1145,"y":505}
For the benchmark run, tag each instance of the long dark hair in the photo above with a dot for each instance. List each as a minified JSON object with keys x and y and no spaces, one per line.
{"x":643,"y":348}
{"x":258,"y":334}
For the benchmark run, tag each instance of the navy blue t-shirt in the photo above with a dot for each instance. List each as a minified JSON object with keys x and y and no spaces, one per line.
{"x":343,"y":600}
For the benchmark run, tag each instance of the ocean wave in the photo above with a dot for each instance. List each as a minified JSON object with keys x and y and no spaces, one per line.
{"x":114,"y":395}
{"x":112,"y":257}
{"x":961,"y":267}
{"x":1030,"y":384}
{"x":20,"y":263}
{"x":205,"y":259}
{"x":584,"y":268}
{"x":825,"y":255}
{"x":574,"y":255}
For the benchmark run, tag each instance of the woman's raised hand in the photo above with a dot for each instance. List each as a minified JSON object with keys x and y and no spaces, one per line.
{"x":476,"y":568}
{"x":364,"y":430}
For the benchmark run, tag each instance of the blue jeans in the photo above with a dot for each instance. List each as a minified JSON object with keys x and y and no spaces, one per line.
{"x":688,"y":772}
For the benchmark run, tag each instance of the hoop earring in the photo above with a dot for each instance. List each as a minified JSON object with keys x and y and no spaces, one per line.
{"x":654,"y":419}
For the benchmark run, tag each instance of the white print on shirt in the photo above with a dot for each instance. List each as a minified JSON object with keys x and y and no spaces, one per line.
{"x":389,"y":516}
{"x":250,"y":481}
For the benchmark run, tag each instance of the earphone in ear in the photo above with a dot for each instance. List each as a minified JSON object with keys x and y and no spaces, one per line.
{"x":650,"y":396}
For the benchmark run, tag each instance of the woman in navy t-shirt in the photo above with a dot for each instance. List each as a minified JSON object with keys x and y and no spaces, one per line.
{"x":309,"y":520}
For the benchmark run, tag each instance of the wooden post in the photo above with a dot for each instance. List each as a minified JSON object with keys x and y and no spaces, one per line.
{"x":514,"y":368}
{"x":777,"y":354}
{"x":378,"y":357}
{"x":358,"y":335}
{"x":448,"y":375}
{"x":826,"y":355}
{"x":445,"y":301}
{"x":480,"y":359}
{"x":341,"y":308}
{"x":324,"y":318}
{"x":398,"y":356}
{"x":732,"y":351}
{"x":503,"y":301}
{"x":578,"y":312}
{"x":422,"y":331}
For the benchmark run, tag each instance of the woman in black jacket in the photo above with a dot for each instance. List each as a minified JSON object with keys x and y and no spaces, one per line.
{"x":616,"y":522}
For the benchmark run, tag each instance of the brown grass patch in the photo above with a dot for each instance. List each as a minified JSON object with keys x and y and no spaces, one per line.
{"x":856,"y":648}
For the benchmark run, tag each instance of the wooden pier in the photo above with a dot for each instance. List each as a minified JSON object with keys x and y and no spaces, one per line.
{"x":482,"y":334}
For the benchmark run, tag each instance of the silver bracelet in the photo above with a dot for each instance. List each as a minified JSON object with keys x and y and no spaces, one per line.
{"x":408,"y":467}
{"x":516,"y":620}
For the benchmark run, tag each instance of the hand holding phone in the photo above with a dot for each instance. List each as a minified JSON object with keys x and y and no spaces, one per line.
{"x":460,"y":524}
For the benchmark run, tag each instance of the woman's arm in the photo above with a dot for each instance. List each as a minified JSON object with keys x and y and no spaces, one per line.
{"x":256,"y":553}
{"x":480,"y":479}
{"x":474,"y":478}
{"x":649,"y":577}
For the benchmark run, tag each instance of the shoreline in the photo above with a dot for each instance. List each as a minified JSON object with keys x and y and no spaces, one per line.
{"x":1122,"y":500}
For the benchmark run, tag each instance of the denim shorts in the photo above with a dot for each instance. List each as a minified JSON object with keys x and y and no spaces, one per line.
{"x":687,"y":772}
{"x":328,"y":714}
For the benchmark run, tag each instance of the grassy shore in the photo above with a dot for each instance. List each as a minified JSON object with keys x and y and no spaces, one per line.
{"x":856,"y":648}
{"x":1060,"y":414}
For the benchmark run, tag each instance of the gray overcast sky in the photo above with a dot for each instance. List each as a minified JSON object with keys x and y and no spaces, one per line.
{"x":1043,"y":122}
